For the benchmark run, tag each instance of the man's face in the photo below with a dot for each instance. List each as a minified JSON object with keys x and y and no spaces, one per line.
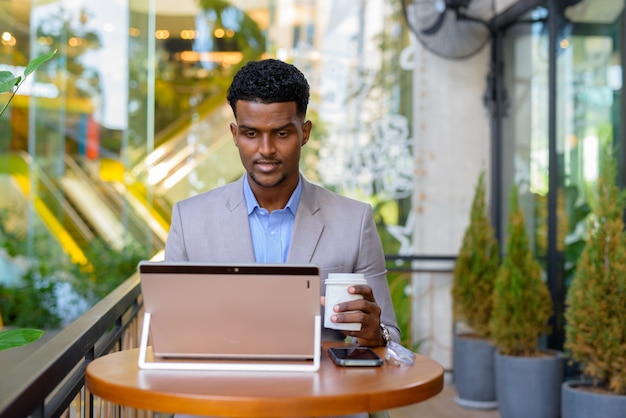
{"x":269,"y":138}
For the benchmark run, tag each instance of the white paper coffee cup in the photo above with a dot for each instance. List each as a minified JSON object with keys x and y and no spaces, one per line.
{"x":337,"y":285}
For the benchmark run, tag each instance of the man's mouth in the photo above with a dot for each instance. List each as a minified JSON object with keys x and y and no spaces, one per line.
{"x":267,"y":165}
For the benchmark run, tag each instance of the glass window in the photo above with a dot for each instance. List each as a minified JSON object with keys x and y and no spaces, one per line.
{"x":588,"y":90}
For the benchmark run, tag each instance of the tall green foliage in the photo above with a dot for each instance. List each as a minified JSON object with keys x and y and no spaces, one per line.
{"x":32,"y":302}
{"x":476,"y":267}
{"x":108,"y":268}
{"x":596,"y":301}
{"x":521,"y":300}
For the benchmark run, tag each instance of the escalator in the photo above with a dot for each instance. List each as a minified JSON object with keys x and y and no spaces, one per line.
{"x":111,"y":209}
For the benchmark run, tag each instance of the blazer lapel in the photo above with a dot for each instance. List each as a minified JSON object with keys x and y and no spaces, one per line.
{"x":307,"y":228}
{"x":236,"y":237}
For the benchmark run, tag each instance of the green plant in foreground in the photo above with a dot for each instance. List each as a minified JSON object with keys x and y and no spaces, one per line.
{"x":595,"y":307}
{"x":18,"y":337}
{"x":521,"y":299}
{"x":9,"y":82}
{"x":476,"y":267}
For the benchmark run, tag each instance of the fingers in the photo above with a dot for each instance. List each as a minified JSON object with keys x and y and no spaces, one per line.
{"x":367,"y":305}
{"x":364,"y":311}
{"x":363,"y":290}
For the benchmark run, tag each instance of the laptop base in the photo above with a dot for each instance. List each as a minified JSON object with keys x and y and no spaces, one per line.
{"x":275,"y":366}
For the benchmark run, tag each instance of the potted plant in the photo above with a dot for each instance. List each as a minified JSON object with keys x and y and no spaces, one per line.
{"x":10,"y":83}
{"x":472,"y":288}
{"x":595,"y":311}
{"x":528,"y":379}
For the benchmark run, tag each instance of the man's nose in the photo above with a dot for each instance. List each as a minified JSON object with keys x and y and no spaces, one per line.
{"x":267,"y":145}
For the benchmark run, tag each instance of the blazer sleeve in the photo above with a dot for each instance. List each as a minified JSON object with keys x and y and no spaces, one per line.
{"x":371,"y":261}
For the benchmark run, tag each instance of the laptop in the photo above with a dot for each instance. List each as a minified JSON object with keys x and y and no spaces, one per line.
{"x":226,"y":312}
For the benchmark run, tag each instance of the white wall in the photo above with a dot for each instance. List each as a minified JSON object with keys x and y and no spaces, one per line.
{"x":452,"y":144}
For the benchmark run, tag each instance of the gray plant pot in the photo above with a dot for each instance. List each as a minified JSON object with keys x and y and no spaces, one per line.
{"x":529,"y":386}
{"x":474,"y":376}
{"x":579,"y":403}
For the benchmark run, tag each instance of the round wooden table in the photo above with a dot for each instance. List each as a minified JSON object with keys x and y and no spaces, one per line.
{"x":332,"y":390}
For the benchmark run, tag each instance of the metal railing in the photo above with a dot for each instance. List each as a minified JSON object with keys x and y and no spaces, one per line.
{"x":420,"y":287}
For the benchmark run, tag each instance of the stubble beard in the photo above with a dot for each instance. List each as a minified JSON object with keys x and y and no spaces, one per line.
{"x":278,"y":182}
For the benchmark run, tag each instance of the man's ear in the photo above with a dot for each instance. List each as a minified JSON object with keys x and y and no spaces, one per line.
{"x":233,"y":132}
{"x":306,"y":131}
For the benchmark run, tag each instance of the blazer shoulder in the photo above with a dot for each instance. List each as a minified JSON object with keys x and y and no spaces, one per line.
{"x":321,"y":198}
{"x":322,"y":193}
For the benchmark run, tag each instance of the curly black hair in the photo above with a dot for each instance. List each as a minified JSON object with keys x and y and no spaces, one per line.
{"x":269,"y":81}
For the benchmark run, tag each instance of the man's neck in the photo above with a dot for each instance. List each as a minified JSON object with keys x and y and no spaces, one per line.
{"x":272,"y":198}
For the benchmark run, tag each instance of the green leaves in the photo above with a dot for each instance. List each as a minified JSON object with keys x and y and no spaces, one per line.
{"x":522,"y":304}
{"x":35,"y":63}
{"x":595,"y":328}
{"x":476,"y":267}
{"x":18,"y":337}
{"x":8,"y":81}
{"x":11,"y":83}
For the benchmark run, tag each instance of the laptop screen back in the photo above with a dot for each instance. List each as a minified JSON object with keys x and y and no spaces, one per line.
{"x":251,"y":311}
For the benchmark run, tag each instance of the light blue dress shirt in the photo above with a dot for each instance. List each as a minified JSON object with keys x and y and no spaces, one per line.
{"x":271,"y":231}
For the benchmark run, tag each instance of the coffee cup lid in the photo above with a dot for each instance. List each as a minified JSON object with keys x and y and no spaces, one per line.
{"x":347,"y":281}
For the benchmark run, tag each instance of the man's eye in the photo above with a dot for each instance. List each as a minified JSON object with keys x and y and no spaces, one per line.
{"x":282,"y":134}
{"x":250,"y":134}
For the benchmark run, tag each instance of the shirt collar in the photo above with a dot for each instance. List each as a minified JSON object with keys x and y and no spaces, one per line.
{"x":252,"y":203}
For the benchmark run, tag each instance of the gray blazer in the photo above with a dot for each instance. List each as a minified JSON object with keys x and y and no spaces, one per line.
{"x":335,"y":233}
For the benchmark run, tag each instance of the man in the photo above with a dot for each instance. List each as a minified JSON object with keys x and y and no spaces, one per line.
{"x":273,"y":214}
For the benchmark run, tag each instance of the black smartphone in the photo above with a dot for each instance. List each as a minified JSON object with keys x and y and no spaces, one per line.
{"x":354,"y":356}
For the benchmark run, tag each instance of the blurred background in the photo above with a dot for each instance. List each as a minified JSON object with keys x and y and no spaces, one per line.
{"x":411,"y":100}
